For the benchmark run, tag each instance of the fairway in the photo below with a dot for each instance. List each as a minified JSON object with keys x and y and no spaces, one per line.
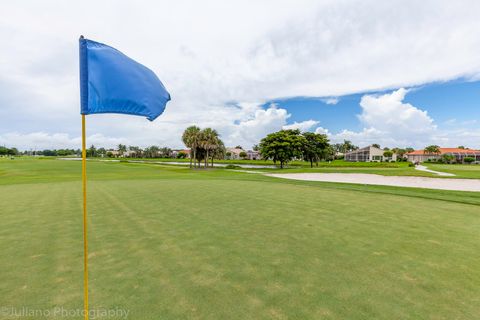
{"x":168,"y":242}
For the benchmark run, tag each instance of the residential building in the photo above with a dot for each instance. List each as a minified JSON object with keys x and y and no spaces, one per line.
{"x":458,"y":153}
{"x":368,"y":154}
{"x":235,"y":154}
{"x":176,"y":152}
{"x":253,"y":155}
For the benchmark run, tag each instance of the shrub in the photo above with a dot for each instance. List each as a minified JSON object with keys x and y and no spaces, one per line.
{"x":411,"y":164}
{"x":468,"y":159}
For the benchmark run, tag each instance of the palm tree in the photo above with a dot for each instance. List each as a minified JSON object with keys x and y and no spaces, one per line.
{"x":219,"y":151}
{"x":122,"y":149}
{"x":152,"y":151}
{"x":190,"y":138}
{"x":209,"y":141}
{"x":137,"y":151}
{"x":432,"y":149}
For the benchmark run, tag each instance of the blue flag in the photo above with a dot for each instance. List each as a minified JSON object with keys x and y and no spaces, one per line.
{"x":111,"y":82}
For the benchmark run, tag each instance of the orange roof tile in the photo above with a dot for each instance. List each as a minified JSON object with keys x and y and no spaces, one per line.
{"x":446,"y":150}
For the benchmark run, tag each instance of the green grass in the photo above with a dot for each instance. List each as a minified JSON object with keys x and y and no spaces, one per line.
{"x":471,"y":171}
{"x":172,"y":243}
{"x":326,"y":164}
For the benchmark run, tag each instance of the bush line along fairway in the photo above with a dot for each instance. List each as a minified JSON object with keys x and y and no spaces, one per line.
{"x":176,"y":243}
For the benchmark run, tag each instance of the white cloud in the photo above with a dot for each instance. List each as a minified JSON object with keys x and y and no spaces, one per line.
{"x":388,"y":120}
{"x":331,"y":100}
{"x":388,"y":113}
{"x":208,"y":56}
{"x":302,"y":126}
{"x":262,"y":122}
{"x":321,"y":130}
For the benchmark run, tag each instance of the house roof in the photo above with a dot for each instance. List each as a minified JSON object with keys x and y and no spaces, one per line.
{"x":445,"y":150}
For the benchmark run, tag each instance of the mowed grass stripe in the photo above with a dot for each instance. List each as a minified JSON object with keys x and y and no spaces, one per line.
{"x":212,"y":246}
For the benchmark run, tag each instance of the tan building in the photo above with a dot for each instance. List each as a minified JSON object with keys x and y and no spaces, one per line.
{"x":368,"y":154}
{"x":235,"y":154}
{"x":458,"y":153}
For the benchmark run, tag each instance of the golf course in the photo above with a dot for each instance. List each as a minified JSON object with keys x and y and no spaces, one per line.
{"x":169,"y":242}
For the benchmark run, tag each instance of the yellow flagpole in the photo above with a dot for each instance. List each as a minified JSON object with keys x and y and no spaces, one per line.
{"x":85,"y":238}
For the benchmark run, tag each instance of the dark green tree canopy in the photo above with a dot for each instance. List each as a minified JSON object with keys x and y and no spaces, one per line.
{"x":283,"y":146}
{"x":316,"y":147}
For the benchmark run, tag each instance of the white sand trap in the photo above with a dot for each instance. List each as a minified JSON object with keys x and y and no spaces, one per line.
{"x":375,"y":179}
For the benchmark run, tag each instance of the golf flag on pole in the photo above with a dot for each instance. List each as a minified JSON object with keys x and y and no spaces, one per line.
{"x":111,"y":82}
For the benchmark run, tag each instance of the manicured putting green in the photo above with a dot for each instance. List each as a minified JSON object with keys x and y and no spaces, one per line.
{"x":171,"y":243}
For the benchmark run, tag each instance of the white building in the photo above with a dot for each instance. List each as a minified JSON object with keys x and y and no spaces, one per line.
{"x":369,"y":154}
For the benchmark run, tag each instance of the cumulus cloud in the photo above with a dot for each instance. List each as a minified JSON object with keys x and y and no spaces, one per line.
{"x":321,"y":130}
{"x":249,"y":131}
{"x":218,"y":68}
{"x":302,"y":126}
{"x":388,"y":120}
{"x":388,"y":113}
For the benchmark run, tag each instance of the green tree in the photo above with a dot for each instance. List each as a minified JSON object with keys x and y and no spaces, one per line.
{"x":208,"y":141}
{"x":92,"y":151}
{"x":448,"y":158}
{"x":122,"y":148}
{"x":243,"y":155}
{"x":165,"y":152}
{"x":101,"y":152}
{"x":219,"y":151}
{"x":468,"y":159}
{"x":376,"y":145}
{"x":151,"y":152}
{"x":400,"y":152}
{"x":315,"y":148}
{"x":348,"y":146}
{"x":135,"y":152}
{"x":181,"y":155}
{"x":190,"y":138}
{"x":433,"y":149}
{"x":388,"y":153}
{"x":282,"y":146}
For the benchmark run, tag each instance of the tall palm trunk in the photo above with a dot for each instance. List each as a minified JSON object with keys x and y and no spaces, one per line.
{"x":206,"y":159}
{"x":190,"y":158}
{"x":195,"y":157}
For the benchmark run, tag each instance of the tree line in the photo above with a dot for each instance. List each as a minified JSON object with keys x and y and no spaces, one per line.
{"x":4,"y":151}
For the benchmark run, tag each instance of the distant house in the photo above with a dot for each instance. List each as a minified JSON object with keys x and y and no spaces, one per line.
{"x":253,"y":155}
{"x":176,"y":152}
{"x":368,"y":154}
{"x":114,"y":153}
{"x":458,"y":153}
{"x":235,"y":154}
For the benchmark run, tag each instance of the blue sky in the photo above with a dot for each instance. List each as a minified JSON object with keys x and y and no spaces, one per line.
{"x":452,"y":103}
